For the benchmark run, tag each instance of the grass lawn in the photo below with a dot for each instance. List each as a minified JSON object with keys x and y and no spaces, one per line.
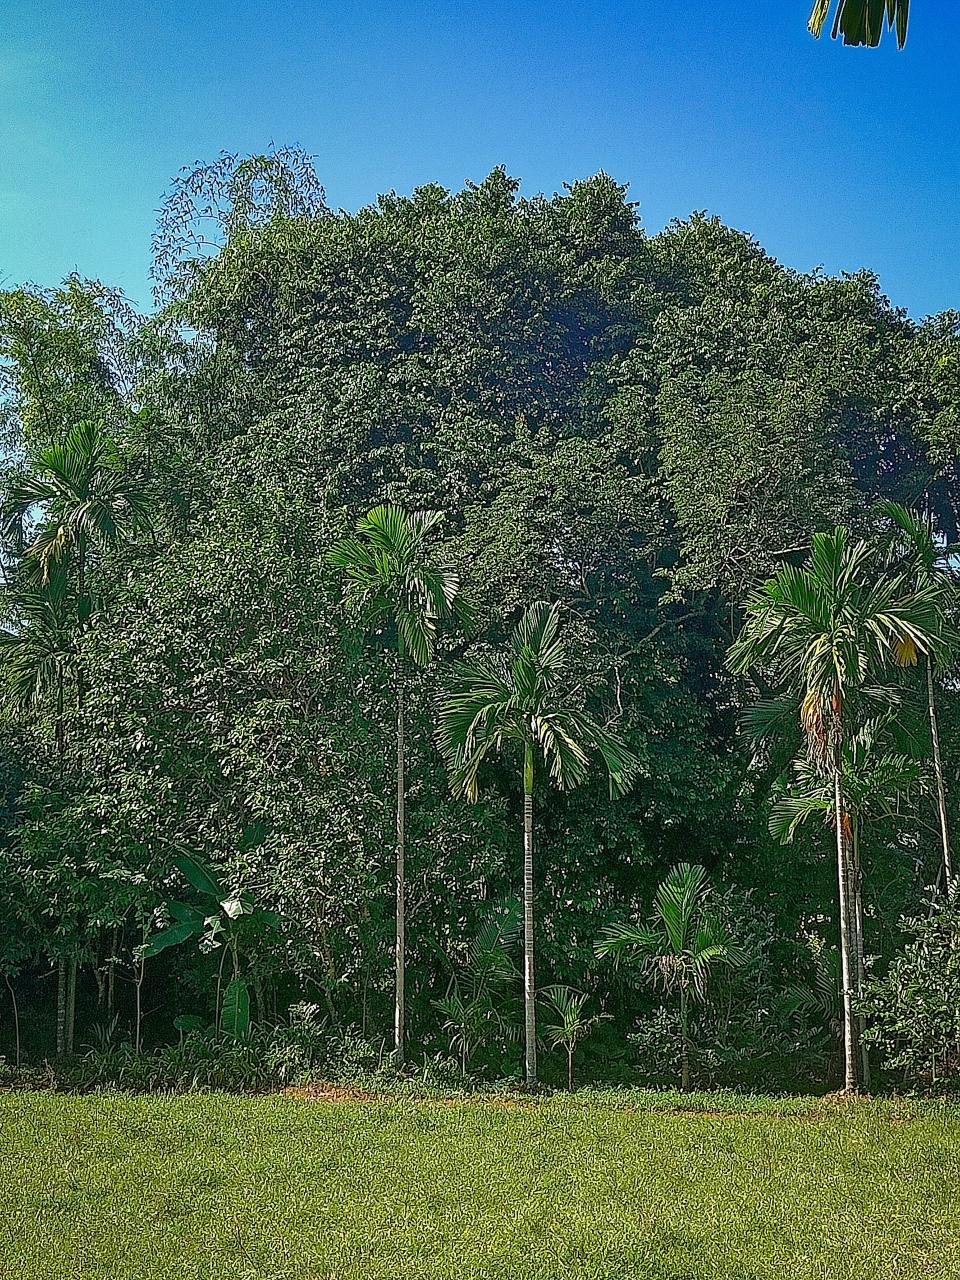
{"x":211,"y":1186}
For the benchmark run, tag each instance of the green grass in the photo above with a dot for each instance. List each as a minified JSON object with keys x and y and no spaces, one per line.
{"x":107,"y":1186}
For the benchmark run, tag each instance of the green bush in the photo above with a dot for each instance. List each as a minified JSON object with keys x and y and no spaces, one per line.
{"x":914,"y":1008}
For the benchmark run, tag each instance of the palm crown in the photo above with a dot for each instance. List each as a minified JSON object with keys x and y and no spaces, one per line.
{"x":872,"y":780}
{"x":85,"y":496}
{"x":521,"y":699}
{"x":827,"y":626}
{"x":683,"y":942}
{"x":390,"y":580}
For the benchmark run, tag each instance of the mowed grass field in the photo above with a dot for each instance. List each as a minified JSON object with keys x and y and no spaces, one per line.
{"x":212,"y":1186}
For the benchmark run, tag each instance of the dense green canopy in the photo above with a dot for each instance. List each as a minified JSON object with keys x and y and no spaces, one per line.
{"x":641,"y":428}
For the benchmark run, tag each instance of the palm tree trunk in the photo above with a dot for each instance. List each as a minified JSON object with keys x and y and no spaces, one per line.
{"x":400,"y":1011}
{"x":71,"y":1012}
{"x":938,"y":773}
{"x":570,"y":1071}
{"x":529,"y":984}
{"x":139,"y":975}
{"x":860,"y":974}
{"x":684,"y":1042}
{"x":61,"y":1007}
{"x":851,"y":1059}
{"x":16,"y":1017}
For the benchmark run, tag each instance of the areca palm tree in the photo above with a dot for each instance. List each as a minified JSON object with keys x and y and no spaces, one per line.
{"x":826,"y":631}
{"x":914,"y":547}
{"x":78,"y":497}
{"x":36,"y":658}
{"x":568,"y":1024}
{"x":85,"y":499}
{"x":861,"y":22}
{"x":517,"y":702}
{"x":872,"y":781}
{"x":680,"y":947}
{"x":395,"y":590}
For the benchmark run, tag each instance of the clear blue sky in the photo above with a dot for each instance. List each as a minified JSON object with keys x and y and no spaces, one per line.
{"x":831,"y":156}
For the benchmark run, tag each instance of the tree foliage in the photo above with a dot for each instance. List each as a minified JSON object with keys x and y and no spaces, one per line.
{"x":637,"y":430}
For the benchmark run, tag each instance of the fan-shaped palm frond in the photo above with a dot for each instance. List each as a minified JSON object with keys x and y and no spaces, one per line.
{"x":492,"y":702}
{"x":36,"y":654}
{"x":825,"y":628}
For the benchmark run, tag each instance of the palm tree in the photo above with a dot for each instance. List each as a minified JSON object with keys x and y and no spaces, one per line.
{"x":914,"y":546}
{"x":827,"y":631}
{"x":80,"y":492}
{"x":680,"y":947}
{"x":85,"y":499}
{"x":36,"y":658}
{"x":474,"y":1007}
{"x":872,"y":780}
{"x":395,"y":590}
{"x":861,"y":22}
{"x":570,"y":1025}
{"x":517,"y":701}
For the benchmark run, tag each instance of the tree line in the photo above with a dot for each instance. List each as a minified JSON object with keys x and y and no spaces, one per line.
{"x":392,"y":542}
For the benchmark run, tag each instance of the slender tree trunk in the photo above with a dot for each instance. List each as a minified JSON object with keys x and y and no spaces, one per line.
{"x":938,"y":773}
{"x":400,"y":1010}
{"x":61,"y":1007}
{"x":58,"y":724}
{"x":112,"y":970}
{"x":860,"y":969}
{"x":16,"y":1017}
{"x":71,"y":1015}
{"x":684,"y":1042}
{"x":138,"y":1002}
{"x":219,"y":994}
{"x":81,"y":622}
{"x":570,"y":1071}
{"x":851,"y":1057}
{"x":529,"y":983}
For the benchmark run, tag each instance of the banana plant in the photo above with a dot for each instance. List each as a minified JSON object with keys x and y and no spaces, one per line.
{"x":223,"y":921}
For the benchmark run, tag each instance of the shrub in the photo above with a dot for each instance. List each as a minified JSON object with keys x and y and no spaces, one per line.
{"x":914,"y":1009}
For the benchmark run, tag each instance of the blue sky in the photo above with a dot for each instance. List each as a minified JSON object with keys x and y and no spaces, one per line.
{"x":831,"y":156}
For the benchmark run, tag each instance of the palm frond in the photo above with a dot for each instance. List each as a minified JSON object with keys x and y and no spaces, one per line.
{"x":390,"y":576}
{"x":861,"y":22}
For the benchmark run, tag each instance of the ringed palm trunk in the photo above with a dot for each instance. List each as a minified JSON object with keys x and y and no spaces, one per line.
{"x":71,"y":1012}
{"x":529,"y":983}
{"x":61,"y":1007}
{"x":938,"y":772}
{"x":860,"y":973}
{"x":851,"y":1058}
{"x":399,"y":1012}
